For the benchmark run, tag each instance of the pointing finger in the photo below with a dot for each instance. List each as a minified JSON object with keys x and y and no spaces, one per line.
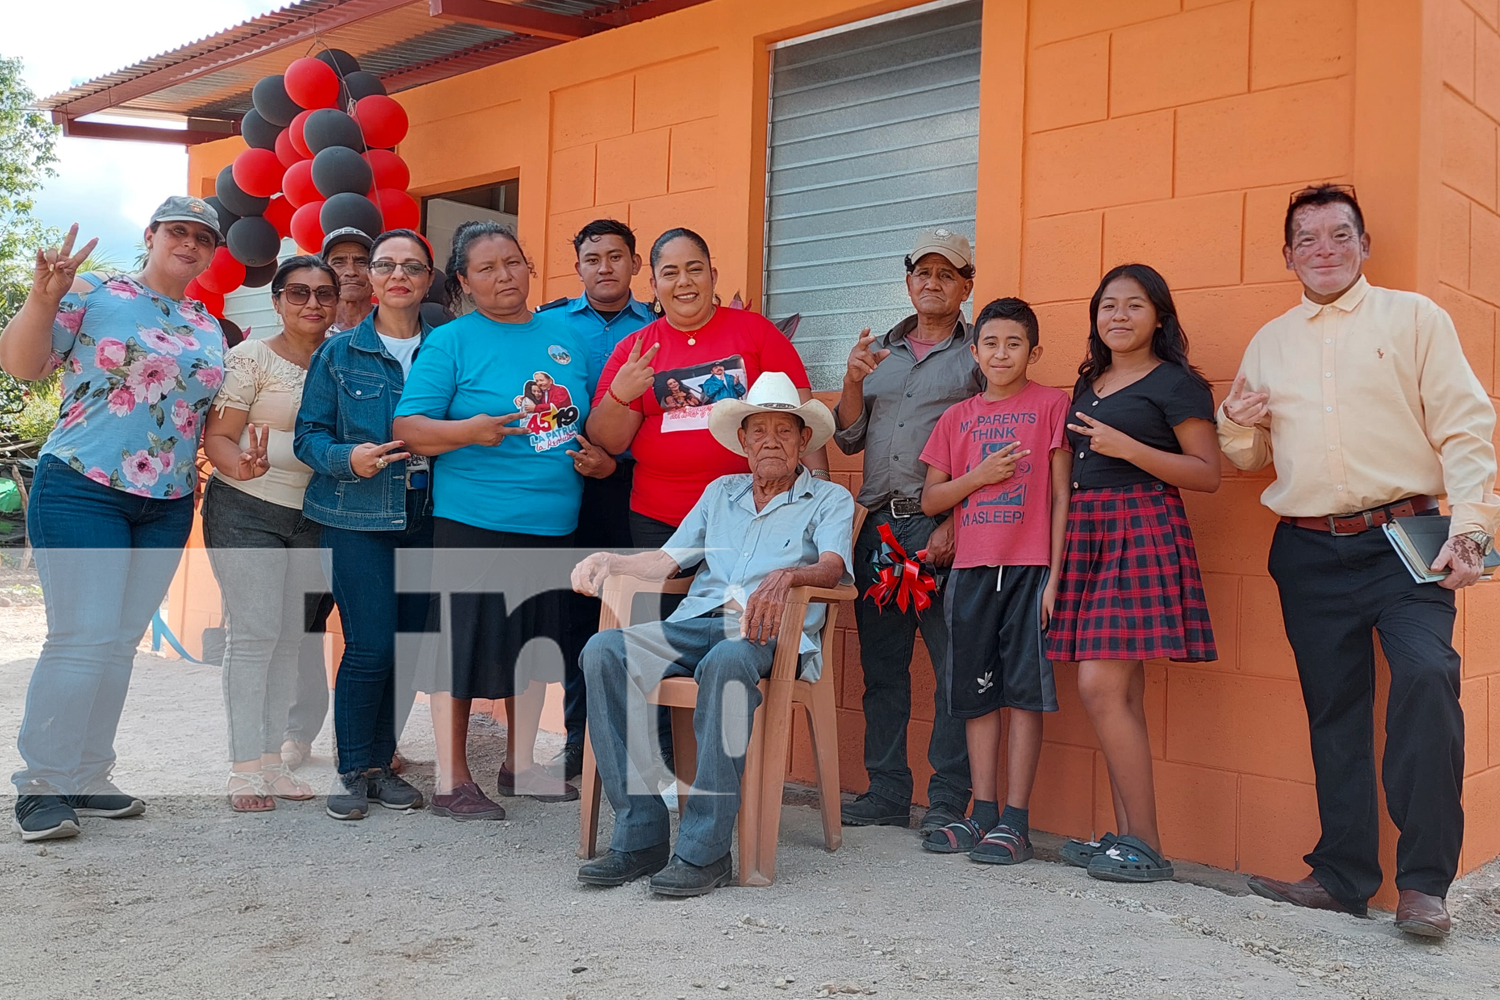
{"x":83,"y":254}
{"x":67,"y":244}
{"x":635,"y":350}
{"x":651,"y":353}
{"x":1085,"y":431}
{"x":385,"y":449}
{"x":1238,"y":388}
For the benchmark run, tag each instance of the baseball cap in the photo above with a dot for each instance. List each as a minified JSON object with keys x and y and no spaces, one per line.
{"x":182,"y":208}
{"x":954,"y":246}
{"x":346,"y":235}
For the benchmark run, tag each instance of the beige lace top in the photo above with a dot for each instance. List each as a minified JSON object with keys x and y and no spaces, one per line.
{"x":269,"y":386}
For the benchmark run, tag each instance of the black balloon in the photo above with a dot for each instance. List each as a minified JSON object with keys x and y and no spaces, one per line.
{"x":260,"y":277}
{"x":326,"y":128}
{"x":271,"y":100}
{"x":342,"y":62}
{"x":362,"y":84}
{"x":234,"y":199}
{"x":226,"y":217}
{"x":338,"y":169}
{"x":257,"y":132}
{"x":350,"y":210}
{"x":254,"y":242}
{"x":435,"y":315}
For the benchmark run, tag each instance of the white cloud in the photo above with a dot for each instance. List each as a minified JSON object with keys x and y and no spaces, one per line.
{"x":110,"y":188}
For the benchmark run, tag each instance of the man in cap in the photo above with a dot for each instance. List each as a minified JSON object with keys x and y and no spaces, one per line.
{"x":895,"y":388}
{"x":347,"y":251}
{"x":759,"y":535}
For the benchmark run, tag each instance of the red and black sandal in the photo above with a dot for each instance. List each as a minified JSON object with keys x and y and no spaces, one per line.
{"x":958,"y":837}
{"x":1004,"y":845}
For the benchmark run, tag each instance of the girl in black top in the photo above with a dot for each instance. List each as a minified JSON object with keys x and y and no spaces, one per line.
{"x":1130,"y":590}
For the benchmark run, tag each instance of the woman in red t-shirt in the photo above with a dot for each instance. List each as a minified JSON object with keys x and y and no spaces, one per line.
{"x":649,"y":401}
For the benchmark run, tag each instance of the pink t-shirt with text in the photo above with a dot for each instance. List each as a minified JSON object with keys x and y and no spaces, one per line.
{"x":1007,"y":523}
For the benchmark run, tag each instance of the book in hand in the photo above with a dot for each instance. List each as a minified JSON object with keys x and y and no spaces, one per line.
{"x":1418,"y":540}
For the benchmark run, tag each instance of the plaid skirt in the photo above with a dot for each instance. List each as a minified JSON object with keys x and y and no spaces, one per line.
{"x":1130,"y":587}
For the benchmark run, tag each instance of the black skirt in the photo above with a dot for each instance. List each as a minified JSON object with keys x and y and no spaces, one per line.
{"x":486,"y":633}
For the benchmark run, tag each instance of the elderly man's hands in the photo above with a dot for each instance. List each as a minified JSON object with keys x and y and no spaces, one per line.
{"x":590,"y":574}
{"x":1462,"y":559}
{"x":762,"y":618}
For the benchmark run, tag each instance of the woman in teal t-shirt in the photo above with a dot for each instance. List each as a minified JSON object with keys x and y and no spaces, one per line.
{"x":502,"y":396}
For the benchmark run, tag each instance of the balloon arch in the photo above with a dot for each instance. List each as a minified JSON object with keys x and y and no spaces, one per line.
{"x":321,"y":157}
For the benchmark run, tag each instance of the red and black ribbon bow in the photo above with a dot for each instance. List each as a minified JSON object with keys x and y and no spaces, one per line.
{"x":900,"y":577}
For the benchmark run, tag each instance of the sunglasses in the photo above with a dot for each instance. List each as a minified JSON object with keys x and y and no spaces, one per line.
{"x":1316,"y":188}
{"x":297,"y":295}
{"x":411,"y":268}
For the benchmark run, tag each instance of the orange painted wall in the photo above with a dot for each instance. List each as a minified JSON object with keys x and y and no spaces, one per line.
{"x":1169,"y":131}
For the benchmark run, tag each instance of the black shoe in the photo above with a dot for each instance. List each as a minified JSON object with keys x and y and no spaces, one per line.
{"x":41,"y":814}
{"x":102,"y":798}
{"x":937,"y":817}
{"x":568,"y":764}
{"x":393,"y":791}
{"x":619,"y":867}
{"x":681,"y":878}
{"x":350,"y":798}
{"x":871,"y":809}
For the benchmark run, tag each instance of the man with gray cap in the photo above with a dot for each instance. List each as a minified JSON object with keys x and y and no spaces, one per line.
{"x":895,"y":388}
{"x":347,"y":251}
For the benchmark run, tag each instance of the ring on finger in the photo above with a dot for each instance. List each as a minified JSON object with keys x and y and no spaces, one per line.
{"x":381,"y":462}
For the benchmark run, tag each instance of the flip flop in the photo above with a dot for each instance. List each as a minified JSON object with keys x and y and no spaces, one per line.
{"x":1003,"y":845}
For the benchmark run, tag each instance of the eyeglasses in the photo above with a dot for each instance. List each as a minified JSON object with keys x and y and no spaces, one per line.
{"x":410,"y":268}
{"x":1347,"y":189}
{"x":297,"y":295}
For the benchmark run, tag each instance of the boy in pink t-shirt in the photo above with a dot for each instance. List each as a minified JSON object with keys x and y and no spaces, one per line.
{"x":1000,"y":463}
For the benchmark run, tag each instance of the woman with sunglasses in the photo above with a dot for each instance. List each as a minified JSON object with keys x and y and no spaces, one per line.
{"x":262,"y":549}
{"x":373,"y":499}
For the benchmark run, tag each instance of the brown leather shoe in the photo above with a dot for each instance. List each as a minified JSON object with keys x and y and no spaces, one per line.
{"x":1423,"y":915}
{"x":1308,"y":893}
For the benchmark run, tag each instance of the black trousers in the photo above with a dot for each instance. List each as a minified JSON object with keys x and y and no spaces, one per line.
{"x":1336,"y":592}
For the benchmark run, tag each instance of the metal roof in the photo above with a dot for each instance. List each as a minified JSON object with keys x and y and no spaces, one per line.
{"x":208,"y":82}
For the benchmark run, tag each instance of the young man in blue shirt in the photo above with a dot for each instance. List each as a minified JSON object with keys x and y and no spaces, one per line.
{"x":602,"y":316}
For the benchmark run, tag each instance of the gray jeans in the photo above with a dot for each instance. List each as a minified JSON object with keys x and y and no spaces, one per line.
{"x":621,"y":666}
{"x":266,"y":559}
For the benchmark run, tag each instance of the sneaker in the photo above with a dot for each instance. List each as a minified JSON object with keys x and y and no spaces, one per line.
{"x":350,"y":798}
{"x":467,"y":802}
{"x":871,"y":809}
{"x":102,"y":798}
{"x":682,"y":878}
{"x":393,"y":792}
{"x":568,"y":764}
{"x":41,"y":814}
{"x":619,"y":867}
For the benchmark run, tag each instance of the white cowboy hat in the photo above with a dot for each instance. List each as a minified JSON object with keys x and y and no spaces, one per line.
{"x":773,"y":392}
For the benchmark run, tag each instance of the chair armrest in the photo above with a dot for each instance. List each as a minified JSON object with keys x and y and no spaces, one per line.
{"x":619,"y":591}
{"x":824,"y":595}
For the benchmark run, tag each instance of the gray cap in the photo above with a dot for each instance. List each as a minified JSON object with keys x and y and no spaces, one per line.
{"x":346,"y":235}
{"x":183,"y":208}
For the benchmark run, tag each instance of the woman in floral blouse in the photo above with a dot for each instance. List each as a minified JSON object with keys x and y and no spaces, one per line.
{"x":112,"y":502}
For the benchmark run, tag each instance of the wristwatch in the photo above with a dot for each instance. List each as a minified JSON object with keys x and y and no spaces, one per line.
{"x":1485,"y":541}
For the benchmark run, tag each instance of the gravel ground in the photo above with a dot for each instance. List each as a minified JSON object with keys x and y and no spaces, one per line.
{"x":192,"y":901}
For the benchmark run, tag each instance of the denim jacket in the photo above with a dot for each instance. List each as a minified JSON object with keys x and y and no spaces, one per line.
{"x":353,"y":386}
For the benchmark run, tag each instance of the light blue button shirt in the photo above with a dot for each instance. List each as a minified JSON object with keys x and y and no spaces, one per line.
{"x":599,"y":333}
{"x":739,"y":546}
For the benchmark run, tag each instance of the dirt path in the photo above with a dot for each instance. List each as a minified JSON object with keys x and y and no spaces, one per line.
{"x":191,"y":901}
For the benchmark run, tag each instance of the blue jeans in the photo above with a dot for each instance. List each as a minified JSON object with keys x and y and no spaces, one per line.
{"x":105,"y":559}
{"x":369,"y":705}
{"x":622,"y":666}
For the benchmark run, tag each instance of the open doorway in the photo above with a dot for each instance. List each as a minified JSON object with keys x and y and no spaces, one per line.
{"x":443,"y":213}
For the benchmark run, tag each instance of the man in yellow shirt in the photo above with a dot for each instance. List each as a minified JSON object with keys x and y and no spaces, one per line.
{"x":1362,"y":398}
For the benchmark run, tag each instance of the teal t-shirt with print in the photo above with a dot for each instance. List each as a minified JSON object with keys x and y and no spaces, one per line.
{"x":474,"y":365}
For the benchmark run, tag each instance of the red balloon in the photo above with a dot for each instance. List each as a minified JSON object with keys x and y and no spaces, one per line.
{"x":390,"y":170}
{"x":294,"y":133}
{"x":307,"y":230}
{"x":224,"y":273}
{"x":297,"y":183}
{"x":382,"y":119}
{"x":312,"y":83}
{"x":258,"y":172}
{"x":212,"y":301}
{"x":398,"y":208}
{"x":279,"y":214}
{"x":285,"y":151}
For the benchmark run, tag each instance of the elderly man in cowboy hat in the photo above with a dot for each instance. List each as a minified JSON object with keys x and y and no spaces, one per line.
{"x":753,"y":538}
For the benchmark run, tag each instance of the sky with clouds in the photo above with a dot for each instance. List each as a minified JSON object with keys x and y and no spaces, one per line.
{"x":110,"y":188}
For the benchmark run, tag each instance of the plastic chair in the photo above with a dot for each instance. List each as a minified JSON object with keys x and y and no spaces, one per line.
{"x":759,"y":823}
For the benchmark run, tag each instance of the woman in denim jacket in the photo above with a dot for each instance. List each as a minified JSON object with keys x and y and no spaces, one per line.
{"x":372,"y":498}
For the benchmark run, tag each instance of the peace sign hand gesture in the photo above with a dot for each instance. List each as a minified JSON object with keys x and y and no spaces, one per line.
{"x":1248,"y":409}
{"x":636,"y":375}
{"x":253,"y":462}
{"x":591,"y":460}
{"x":1104,"y":439}
{"x":56,"y":268}
{"x":862,"y":360}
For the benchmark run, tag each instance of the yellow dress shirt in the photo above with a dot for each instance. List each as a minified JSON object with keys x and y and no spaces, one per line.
{"x":1371,"y":401}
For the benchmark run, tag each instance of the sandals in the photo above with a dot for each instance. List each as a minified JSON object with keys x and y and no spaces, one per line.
{"x":295,"y":753}
{"x":1079,"y":853}
{"x":958,"y":837}
{"x":248,"y":793}
{"x":1130,"y":859}
{"x":280,"y":782}
{"x":1004,"y":845}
